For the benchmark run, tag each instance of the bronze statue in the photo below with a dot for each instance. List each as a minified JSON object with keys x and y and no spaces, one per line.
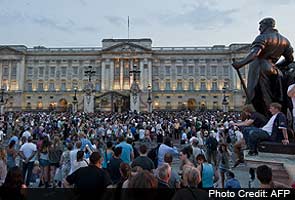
{"x":265,"y":78}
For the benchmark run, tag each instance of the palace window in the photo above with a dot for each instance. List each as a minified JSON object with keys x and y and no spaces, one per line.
{"x":225,"y":70}
{"x":203,"y":71}
{"x":51,"y":86}
{"x":179,"y":70}
{"x":214,"y":70}
{"x":75,"y":71}
{"x":191,"y":70}
{"x":203,"y":85}
{"x":63,"y":71}
{"x":52,"y":71}
{"x":29,"y":86}
{"x":167,"y":69}
{"x":41,"y":71}
{"x":63,"y":86}
{"x":214,"y":85}
{"x":168,"y":85}
{"x":40,"y":86}
{"x":191,"y":85}
{"x":179,"y":85}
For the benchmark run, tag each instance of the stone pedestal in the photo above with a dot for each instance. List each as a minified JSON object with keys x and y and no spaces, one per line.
{"x":88,"y":104}
{"x":134,"y":102}
{"x":134,"y":97}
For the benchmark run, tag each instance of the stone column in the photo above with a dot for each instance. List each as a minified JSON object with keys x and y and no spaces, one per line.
{"x":141,"y":76}
{"x":21,"y":74}
{"x":121,"y":74}
{"x":1,"y":69}
{"x":111,"y":77}
{"x":103,"y":73}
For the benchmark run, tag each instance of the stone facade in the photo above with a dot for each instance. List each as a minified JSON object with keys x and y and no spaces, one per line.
{"x":41,"y":78}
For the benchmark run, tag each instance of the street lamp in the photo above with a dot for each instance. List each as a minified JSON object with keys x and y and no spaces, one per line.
{"x":75,"y":100}
{"x":2,"y":101}
{"x":89,"y":73}
{"x":224,"y":101}
{"x":149,"y":100}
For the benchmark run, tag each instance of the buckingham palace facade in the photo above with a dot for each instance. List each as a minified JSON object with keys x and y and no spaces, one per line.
{"x":41,"y":78}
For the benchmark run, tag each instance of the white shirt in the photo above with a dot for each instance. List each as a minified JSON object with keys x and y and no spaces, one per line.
{"x":292,"y":98}
{"x":269,"y":125}
{"x":27,"y":149}
{"x":239,"y":135}
{"x":184,"y":136}
{"x":73,"y":159}
{"x":26,"y":134}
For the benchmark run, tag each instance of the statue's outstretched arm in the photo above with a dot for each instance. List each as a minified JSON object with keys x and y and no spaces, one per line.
{"x":254,"y":53}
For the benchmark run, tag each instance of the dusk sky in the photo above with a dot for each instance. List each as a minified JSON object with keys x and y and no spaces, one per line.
{"x":65,"y":23}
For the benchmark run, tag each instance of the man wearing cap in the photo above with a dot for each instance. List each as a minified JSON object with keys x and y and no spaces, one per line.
{"x":265,"y":77}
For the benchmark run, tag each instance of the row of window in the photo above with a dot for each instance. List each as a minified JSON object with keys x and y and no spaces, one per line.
{"x":62,"y":70}
{"x":191,"y":85}
{"x":213,"y":70}
{"x":63,"y":86}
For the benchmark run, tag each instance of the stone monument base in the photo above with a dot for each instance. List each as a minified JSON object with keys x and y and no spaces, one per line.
{"x":282,"y":165}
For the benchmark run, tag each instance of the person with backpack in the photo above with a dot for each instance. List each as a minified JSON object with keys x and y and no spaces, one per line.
{"x":212,"y":145}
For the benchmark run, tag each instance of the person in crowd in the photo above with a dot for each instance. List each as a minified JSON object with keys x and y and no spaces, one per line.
{"x":253,"y":119}
{"x":144,"y":180}
{"x":166,"y":147}
{"x":65,"y":161}
{"x":264,"y":175}
{"x":27,"y":152}
{"x":3,"y":165}
{"x":11,"y":154}
{"x":174,"y":181}
{"x":274,"y":130}
{"x":80,"y":161}
{"x":291,"y":94}
{"x":223,"y":162}
{"x":163,"y":175}
{"x":196,"y":149}
{"x":232,"y":182}
{"x":14,"y":181}
{"x":127,"y":150}
{"x":125,"y":171}
{"x":143,"y":161}
{"x":90,"y":177}
{"x":44,"y":161}
{"x":212,"y":144}
{"x":113,"y":166}
{"x":184,"y":156}
{"x":239,"y":144}
{"x":55,"y":151}
{"x":73,"y":155}
{"x":108,"y":154}
{"x":207,"y":175}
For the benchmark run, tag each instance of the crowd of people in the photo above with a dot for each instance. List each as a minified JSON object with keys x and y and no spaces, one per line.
{"x":185,"y":149}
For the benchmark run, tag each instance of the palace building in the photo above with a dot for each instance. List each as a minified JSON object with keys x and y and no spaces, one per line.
{"x":41,"y":78}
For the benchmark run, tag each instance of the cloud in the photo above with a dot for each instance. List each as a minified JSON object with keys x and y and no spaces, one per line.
{"x":200,"y":17}
{"x":7,"y":18}
{"x":51,"y":23}
{"x":116,"y":21}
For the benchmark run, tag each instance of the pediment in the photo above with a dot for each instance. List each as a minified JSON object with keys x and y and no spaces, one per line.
{"x":6,"y":50}
{"x":126,"y":48}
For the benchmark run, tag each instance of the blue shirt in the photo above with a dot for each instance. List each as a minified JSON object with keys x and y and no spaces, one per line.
{"x":84,"y":142}
{"x":163,"y":149}
{"x":232,"y":183}
{"x":126,"y":152}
